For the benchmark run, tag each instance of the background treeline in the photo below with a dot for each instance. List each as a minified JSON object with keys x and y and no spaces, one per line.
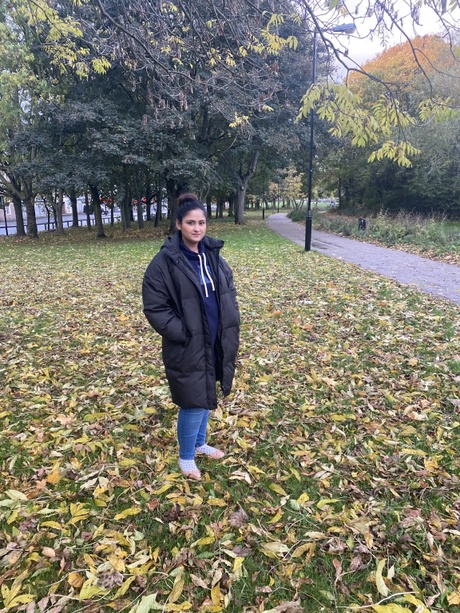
{"x":187,"y":98}
{"x":125,"y":102}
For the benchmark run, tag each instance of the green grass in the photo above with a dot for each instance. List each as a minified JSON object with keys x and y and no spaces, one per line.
{"x":341,"y":436}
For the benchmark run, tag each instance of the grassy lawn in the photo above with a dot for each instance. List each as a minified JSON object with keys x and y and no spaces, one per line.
{"x":340,"y":488}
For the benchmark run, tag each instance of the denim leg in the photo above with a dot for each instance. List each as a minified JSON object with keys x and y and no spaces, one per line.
{"x":201,"y":438}
{"x":189,"y":423}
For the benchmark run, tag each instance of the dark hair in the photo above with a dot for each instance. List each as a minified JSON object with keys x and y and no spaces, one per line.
{"x":186,"y":203}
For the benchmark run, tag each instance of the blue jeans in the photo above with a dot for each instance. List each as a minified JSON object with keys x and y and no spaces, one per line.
{"x":191,"y":431}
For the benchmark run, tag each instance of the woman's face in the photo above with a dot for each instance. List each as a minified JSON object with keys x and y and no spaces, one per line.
{"x":193,"y":228}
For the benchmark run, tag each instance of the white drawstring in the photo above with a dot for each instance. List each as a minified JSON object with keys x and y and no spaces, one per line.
{"x":204,"y":268}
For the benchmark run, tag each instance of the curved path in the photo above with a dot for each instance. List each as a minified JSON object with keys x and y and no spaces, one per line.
{"x":436,"y":278}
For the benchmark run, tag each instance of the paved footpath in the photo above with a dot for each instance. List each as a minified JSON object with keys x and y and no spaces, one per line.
{"x":436,"y":278}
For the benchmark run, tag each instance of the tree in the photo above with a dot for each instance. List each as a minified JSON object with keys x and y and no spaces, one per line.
{"x":213,"y":69}
{"x":431,"y":182}
{"x":374,"y":125}
{"x":36,"y":48}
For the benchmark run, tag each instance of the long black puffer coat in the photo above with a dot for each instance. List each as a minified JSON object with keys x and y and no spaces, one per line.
{"x":174,"y":307}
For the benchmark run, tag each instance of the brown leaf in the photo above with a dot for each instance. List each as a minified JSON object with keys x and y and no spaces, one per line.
{"x":237,"y":519}
{"x":338,"y":568}
{"x":287,"y":607}
{"x":108,"y":580}
{"x":355,"y":564}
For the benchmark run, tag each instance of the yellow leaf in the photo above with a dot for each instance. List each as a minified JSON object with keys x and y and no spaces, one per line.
{"x":369,"y":540}
{"x":278,"y":489}
{"x":418,"y":603}
{"x":453,"y":598}
{"x":148,"y":603}
{"x":276,"y":518}
{"x":52,"y":524}
{"x":274,"y":548}
{"x":303,"y":498}
{"x":125,"y":587}
{"x":216,"y":595}
{"x":299,"y":551}
{"x":5,"y":592}
{"x":163,"y":489}
{"x":55,"y":475}
{"x":13,"y":517}
{"x":127,"y":513}
{"x":237,"y":563}
{"x":339,"y":417}
{"x":91,"y":562}
{"x":413,"y":452}
{"x":75,"y":580}
{"x":325,"y":501}
{"x":117,"y":562}
{"x":380,"y":583}
{"x":431,"y":464}
{"x":206,"y":540}
{"x":316,"y":536}
{"x":177,"y":590}
{"x":88,"y":590}
{"x":127,"y":463}
{"x":217,"y":502}
{"x":21,"y":599}
{"x":15,"y":495}
{"x":78,"y":511}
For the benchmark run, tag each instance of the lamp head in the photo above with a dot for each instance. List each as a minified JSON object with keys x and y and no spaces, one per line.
{"x":345,"y":28}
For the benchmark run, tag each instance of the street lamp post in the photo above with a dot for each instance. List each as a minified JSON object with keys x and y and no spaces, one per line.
{"x":346,"y":28}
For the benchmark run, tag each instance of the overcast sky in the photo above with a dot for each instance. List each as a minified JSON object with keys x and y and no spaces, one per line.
{"x":361,"y":48}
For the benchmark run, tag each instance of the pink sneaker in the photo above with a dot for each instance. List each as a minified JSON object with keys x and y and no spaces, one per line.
{"x":210,"y":452}
{"x":189,"y":469}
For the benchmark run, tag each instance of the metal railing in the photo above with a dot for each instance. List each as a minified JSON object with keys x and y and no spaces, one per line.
{"x":7,"y":228}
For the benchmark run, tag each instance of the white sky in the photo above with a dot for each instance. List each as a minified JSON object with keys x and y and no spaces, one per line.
{"x":361,"y":48}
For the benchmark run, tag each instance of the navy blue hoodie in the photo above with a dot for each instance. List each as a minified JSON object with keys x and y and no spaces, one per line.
{"x":204,"y":272}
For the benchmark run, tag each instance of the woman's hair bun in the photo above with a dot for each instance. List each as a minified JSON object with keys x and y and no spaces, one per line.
{"x":188,"y":202}
{"x":187,"y":197}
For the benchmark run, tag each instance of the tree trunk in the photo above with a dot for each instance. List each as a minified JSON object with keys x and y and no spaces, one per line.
{"x":124,"y":201}
{"x":148,"y":198}
{"x":240,"y":200}
{"x":17,"y":204}
{"x":140,"y":214}
{"x":172,"y":203}
{"x":58,"y":205}
{"x":243,"y":182}
{"x":231,"y":205}
{"x":87,"y":210}
{"x":159,"y":211}
{"x":208,"y":206}
{"x":220,"y":208}
{"x":96,"y":202}
{"x":112,"y":206}
{"x":29,"y":203}
{"x":73,"y":204}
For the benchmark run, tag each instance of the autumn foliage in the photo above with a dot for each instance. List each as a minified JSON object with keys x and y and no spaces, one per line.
{"x":408,"y":68}
{"x":339,"y":490}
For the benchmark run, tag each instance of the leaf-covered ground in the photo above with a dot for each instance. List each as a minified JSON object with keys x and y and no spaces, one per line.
{"x":341,"y":486}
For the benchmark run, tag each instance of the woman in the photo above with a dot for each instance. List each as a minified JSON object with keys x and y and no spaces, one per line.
{"x":190,"y":300}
